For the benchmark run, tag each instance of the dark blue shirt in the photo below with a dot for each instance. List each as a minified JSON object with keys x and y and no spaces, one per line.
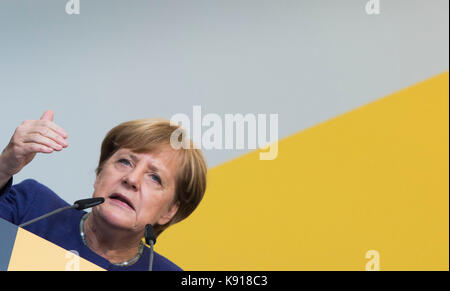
{"x":30,"y":199}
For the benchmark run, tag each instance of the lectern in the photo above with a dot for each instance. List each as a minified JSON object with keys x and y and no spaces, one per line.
{"x":23,"y":250}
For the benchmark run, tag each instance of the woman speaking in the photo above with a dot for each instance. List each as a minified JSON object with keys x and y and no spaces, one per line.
{"x":141,"y":177}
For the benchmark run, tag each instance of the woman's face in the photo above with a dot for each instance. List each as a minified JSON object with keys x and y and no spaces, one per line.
{"x":138,"y":189}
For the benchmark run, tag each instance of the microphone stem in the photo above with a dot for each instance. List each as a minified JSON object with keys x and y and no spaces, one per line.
{"x":48,"y":214}
{"x":150,"y":266}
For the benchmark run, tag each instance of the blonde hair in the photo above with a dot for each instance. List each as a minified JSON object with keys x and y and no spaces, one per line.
{"x":146,"y":135}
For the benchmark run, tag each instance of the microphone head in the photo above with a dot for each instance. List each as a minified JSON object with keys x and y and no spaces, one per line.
{"x":87,"y":203}
{"x":149,"y":234}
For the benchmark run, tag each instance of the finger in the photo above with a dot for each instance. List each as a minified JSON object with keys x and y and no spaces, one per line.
{"x":48,"y":115}
{"x":54,"y":127}
{"x":43,"y":140}
{"x":48,"y":132}
{"x":38,"y":148}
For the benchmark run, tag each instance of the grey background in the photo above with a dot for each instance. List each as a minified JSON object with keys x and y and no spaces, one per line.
{"x":308,"y":61}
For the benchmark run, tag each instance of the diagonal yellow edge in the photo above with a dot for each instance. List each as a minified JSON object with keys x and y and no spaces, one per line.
{"x":33,"y":253}
{"x":375,"y":178}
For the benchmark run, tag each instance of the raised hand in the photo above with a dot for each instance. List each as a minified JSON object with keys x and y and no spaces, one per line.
{"x":30,"y":138}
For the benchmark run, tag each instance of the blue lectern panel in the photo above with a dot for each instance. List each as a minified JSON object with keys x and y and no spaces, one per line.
{"x":8,"y":233}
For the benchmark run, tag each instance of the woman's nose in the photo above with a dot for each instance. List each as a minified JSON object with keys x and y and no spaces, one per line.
{"x":131,"y":179}
{"x":130,"y":183}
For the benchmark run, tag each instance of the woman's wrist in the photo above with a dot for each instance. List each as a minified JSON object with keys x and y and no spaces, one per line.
{"x":4,"y":176}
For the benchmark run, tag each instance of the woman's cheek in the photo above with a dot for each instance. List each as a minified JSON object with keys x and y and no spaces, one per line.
{"x":147,"y":209}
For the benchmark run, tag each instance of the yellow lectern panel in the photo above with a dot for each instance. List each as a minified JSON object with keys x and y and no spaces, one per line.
{"x":31,"y":252}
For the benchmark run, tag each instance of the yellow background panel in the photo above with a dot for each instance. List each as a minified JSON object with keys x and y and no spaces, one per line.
{"x":31,"y":252}
{"x":375,"y":178}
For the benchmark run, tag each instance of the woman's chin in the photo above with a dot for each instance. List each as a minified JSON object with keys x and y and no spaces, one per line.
{"x":117,"y":218}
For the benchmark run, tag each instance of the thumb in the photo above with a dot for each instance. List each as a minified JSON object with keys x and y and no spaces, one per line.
{"x":48,"y":115}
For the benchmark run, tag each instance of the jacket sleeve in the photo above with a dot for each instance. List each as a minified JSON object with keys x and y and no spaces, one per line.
{"x":15,"y":200}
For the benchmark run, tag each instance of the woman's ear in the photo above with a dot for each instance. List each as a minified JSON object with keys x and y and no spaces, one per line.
{"x":169,"y":214}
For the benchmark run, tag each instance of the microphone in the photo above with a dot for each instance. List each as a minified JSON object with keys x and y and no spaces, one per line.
{"x":78,"y":205}
{"x":88,"y":203}
{"x":150,"y":239}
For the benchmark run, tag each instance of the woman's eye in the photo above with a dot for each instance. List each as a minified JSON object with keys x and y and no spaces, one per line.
{"x":156,"y":178}
{"x":124,"y":161}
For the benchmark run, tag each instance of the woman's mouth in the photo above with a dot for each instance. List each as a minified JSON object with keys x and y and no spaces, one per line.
{"x":121,"y":200}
